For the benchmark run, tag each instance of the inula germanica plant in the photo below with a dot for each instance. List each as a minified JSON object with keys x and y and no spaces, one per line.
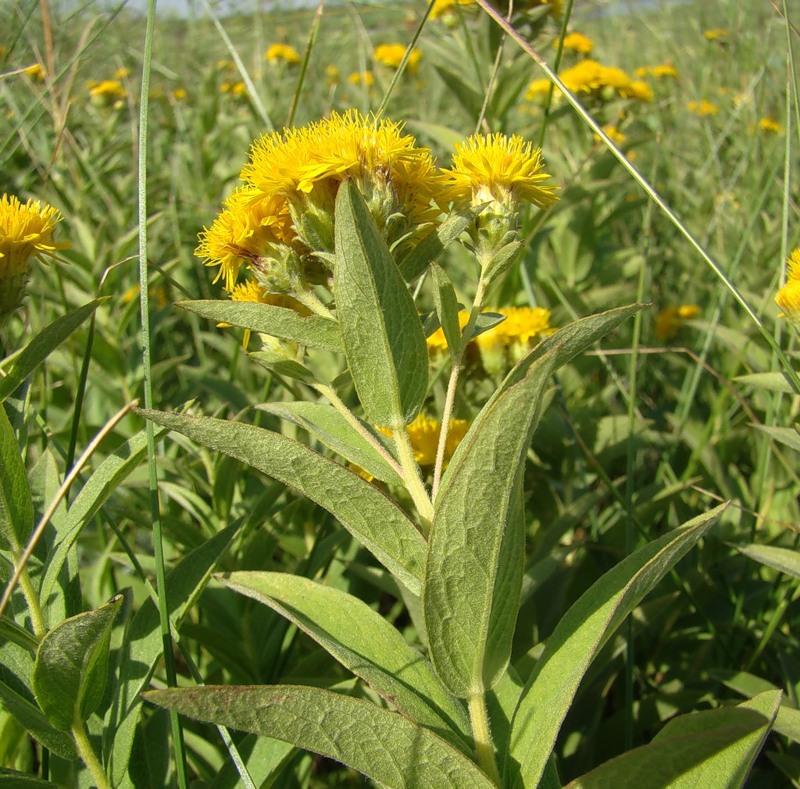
{"x":329,"y":250}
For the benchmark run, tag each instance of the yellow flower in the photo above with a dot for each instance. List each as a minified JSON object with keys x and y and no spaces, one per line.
{"x":717,"y":34}
{"x":767,"y":124}
{"x":107,"y":89}
{"x":616,"y":136}
{"x":246,"y":230}
{"x":446,"y":7}
{"x":35,"y":72}
{"x":601,"y":82}
{"x":364,"y":78}
{"x":506,"y":170}
{"x":537,"y":89}
{"x":179,"y":94}
{"x":282,"y":52}
{"x":578,"y":42}
{"x":788,"y":297}
{"x":238,"y":89}
{"x":659,"y":72}
{"x":424,"y":435}
{"x":703,"y":108}
{"x":637,"y":89}
{"x":225,"y":65}
{"x":332,"y":74}
{"x":26,"y":231}
{"x":392,"y":55}
{"x":671,"y":319}
{"x":122,"y":73}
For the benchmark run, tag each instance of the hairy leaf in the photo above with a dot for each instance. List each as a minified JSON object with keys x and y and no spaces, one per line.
{"x":16,"y":505}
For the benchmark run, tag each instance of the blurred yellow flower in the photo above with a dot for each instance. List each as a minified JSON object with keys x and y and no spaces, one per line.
{"x":26,"y":231}
{"x":332,"y":75}
{"x":537,"y":89}
{"x":234,"y":88}
{"x":424,"y":434}
{"x":122,"y":73}
{"x":637,"y":89}
{"x":106,"y":89}
{"x":179,"y":94}
{"x":717,"y":34}
{"x":577,"y":42}
{"x":659,"y":72}
{"x":616,"y":136}
{"x":788,"y":297}
{"x":35,"y":72}
{"x":365,"y":78}
{"x":601,"y":82}
{"x":703,"y":108}
{"x":768,"y":124}
{"x":225,"y":65}
{"x":445,"y":7}
{"x":497,"y":168}
{"x":391,"y":55}
{"x":282,"y":52}
{"x":671,"y":319}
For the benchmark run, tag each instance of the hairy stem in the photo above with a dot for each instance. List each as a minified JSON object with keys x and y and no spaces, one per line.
{"x":412,"y":476}
{"x":86,"y":752}
{"x":482,"y":735}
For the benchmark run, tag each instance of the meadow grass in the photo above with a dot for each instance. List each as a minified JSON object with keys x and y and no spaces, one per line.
{"x":663,"y":420}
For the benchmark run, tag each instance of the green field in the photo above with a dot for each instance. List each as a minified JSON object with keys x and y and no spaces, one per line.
{"x":449,"y":655}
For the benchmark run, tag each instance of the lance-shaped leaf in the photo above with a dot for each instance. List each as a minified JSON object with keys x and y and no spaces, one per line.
{"x":11,"y":779}
{"x":383,"y":745}
{"x":42,"y":345}
{"x":71,"y":669}
{"x":444,"y":297}
{"x":473,"y":572}
{"x":16,"y":504}
{"x":328,"y":426}
{"x":580,"y":635}
{"x":312,"y":330}
{"x":713,"y":748}
{"x":784,"y":560}
{"x":365,"y":643}
{"x":381,"y":330}
{"x":369,"y":515}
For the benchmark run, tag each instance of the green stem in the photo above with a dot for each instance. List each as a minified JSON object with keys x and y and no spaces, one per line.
{"x":308,"y":299}
{"x":482,"y":735}
{"x":339,"y":405}
{"x":88,"y":755}
{"x":452,"y":384}
{"x":412,"y":476}
{"x":34,"y":608}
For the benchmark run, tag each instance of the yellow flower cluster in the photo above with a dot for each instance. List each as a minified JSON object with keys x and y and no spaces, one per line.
{"x":788,"y":297}
{"x":424,"y":435}
{"x":770,"y":125}
{"x":364,"y":78}
{"x":442,"y":8}
{"x":282,"y":53}
{"x":659,"y":72}
{"x":391,"y":55}
{"x":703,"y":108}
{"x":596,"y":80}
{"x":671,"y":319}
{"x":107,"y":91}
{"x":506,"y":343}
{"x":577,"y":42}
{"x":35,"y":72}
{"x":26,"y":231}
{"x":717,"y":34}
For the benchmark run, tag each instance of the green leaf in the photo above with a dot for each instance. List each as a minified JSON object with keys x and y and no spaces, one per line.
{"x":787,"y":436}
{"x":473,"y":572}
{"x":329,"y":427}
{"x":11,"y":631}
{"x":42,"y":345}
{"x":381,"y":330}
{"x":502,"y":260}
{"x":11,"y":779}
{"x":444,"y":297}
{"x":715,"y":748}
{"x":382,"y":745}
{"x":430,"y":249}
{"x":313,"y":330}
{"x":580,"y":635}
{"x":104,"y":481}
{"x":365,"y":643}
{"x":71,"y":669}
{"x":34,"y":720}
{"x":369,"y":515}
{"x":16,"y":505}
{"x":784,"y":560}
{"x":771,"y":382}
{"x":142,"y":647}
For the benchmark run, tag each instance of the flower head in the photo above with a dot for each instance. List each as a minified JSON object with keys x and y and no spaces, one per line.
{"x":770,"y":125}
{"x":659,"y":72}
{"x":501,"y":169}
{"x":788,"y":297}
{"x":364,"y":78}
{"x":671,"y":320}
{"x":577,"y":42}
{"x":447,"y":8}
{"x":703,"y":108}
{"x":282,"y":53}
{"x":392,"y":55}
{"x":719,"y":34}
{"x":26,"y":231}
{"x":106,"y":91}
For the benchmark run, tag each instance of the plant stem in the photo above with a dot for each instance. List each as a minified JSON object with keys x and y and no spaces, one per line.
{"x":412,"y":476}
{"x":339,"y":405}
{"x":34,"y":607}
{"x":482,"y":735}
{"x":310,"y":300}
{"x":452,"y":384}
{"x":88,"y":755}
